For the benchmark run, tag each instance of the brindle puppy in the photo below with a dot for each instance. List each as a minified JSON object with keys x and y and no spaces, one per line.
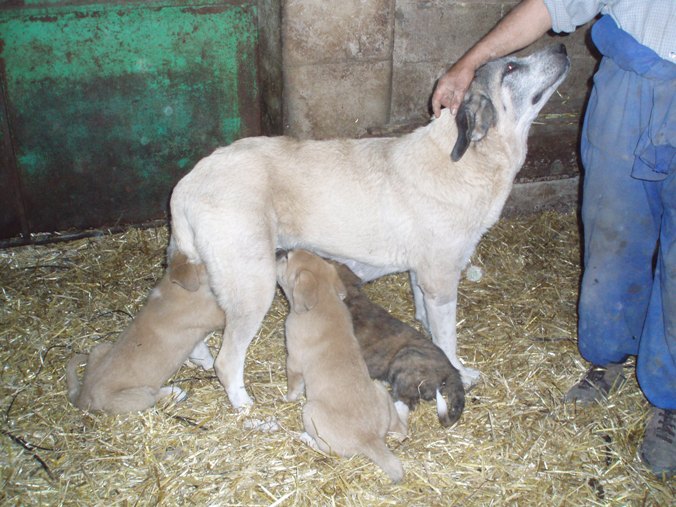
{"x":397,"y":353}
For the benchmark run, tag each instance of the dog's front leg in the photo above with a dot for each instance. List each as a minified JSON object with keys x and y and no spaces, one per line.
{"x":419,"y":301}
{"x":442,"y":319}
{"x":441,"y":308}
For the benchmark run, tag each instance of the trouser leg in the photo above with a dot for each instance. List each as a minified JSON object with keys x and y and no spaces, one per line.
{"x":620,"y":238}
{"x":656,"y":364}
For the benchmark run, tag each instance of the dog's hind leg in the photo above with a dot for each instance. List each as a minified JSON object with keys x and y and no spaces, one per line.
{"x":136,"y":399}
{"x":245,"y":292}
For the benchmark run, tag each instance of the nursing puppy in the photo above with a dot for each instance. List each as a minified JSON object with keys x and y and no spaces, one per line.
{"x":418,"y":203}
{"x":346,"y":413}
{"x":400,"y":355}
{"x":128,"y":376}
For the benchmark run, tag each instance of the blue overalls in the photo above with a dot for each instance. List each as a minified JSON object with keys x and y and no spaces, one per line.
{"x":628,"y":296}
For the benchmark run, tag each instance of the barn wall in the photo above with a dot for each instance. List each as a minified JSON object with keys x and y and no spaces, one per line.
{"x":369,"y":68}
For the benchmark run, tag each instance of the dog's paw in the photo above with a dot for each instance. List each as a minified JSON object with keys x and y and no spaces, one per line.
{"x":470,"y":377}
{"x":201,"y":356}
{"x":240,"y":399}
{"x":399,"y":430}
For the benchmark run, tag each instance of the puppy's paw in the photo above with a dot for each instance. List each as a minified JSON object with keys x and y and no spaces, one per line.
{"x":176,"y":393}
{"x":470,"y":377}
{"x":291,"y":397}
{"x":307,"y":439}
{"x":268,"y":425}
{"x":205,"y":363}
{"x":201,"y":356}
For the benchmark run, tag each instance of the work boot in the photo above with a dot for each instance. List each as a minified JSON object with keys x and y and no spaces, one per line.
{"x":658,"y":450}
{"x":596,"y":384}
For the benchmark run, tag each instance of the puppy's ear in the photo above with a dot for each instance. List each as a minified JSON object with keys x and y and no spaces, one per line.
{"x":475,"y":116}
{"x":304,"y":292}
{"x":183,"y":273}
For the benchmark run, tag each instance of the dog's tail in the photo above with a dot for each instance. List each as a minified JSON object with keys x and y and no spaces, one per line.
{"x":72,"y":379}
{"x":380,"y":454}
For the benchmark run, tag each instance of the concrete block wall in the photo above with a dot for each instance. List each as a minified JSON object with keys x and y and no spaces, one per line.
{"x":337,"y":66}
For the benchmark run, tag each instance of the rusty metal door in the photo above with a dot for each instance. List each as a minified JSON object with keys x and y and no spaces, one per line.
{"x":105,"y":105}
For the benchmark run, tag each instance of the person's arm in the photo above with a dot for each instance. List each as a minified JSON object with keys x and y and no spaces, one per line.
{"x":523,"y":25}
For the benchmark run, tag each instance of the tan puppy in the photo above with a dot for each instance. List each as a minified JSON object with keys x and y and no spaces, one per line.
{"x":346,"y":413}
{"x":127,"y":376}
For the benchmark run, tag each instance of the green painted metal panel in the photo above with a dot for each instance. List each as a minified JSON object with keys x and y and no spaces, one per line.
{"x":107,"y":105}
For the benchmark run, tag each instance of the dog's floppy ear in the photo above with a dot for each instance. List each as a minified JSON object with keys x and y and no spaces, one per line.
{"x":475,"y":116}
{"x":304,"y":292}
{"x":183,"y":273}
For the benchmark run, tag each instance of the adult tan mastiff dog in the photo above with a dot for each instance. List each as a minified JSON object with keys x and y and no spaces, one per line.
{"x":418,"y":203}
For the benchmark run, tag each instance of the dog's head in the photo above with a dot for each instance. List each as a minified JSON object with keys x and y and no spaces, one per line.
{"x":509,"y":91}
{"x":302,"y":274}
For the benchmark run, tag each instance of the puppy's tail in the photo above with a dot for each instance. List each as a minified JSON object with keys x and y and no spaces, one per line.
{"x":379,"y":453}
{"x":72,"y":379}
{"x":182,"y":234}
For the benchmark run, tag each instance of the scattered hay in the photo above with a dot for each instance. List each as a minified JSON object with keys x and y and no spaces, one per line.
{"x":515,"y":444}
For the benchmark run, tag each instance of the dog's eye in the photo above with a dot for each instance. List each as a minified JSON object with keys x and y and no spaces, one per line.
{"x":511,"y":67}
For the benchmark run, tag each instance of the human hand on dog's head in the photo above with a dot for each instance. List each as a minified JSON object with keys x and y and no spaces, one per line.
{"x":451,"y":88}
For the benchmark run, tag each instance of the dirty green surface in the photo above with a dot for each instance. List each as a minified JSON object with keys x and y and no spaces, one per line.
{"x":109,"y":104}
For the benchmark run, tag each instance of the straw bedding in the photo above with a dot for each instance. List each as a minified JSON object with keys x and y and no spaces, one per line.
{"x":516,"y":443}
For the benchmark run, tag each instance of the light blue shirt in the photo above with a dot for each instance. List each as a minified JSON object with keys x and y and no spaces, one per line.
{"x":651,"y":22}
